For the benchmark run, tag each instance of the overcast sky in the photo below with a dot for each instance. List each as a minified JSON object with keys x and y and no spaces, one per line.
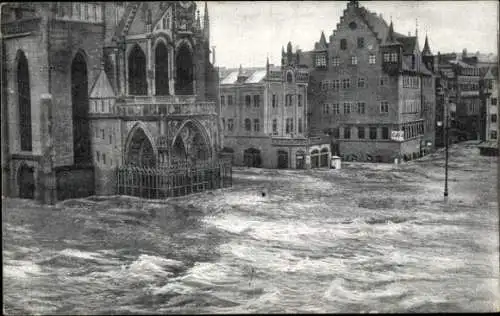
{"x":245,"y":32}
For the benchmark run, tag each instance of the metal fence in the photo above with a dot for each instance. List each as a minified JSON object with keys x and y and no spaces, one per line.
{"x":175,"y":180}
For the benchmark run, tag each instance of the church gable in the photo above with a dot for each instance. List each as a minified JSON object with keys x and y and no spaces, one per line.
{"x":165,"y":20}
{"x":351,"y":27}
{"x":142,"y":17}
{"x":102,"y":88}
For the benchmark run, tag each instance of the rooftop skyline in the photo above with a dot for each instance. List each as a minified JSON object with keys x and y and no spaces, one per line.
{"x":247,"y":32}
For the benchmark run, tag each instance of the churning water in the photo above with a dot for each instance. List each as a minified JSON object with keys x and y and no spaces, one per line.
{"x":367,"y":238}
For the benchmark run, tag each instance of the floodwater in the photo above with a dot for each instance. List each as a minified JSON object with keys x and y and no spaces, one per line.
{"x":367,"y":238}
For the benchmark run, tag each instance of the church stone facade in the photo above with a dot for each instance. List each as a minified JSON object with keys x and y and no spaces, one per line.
{"x":91,"y":86}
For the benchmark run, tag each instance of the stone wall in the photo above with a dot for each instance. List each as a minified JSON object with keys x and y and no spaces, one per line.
{"x":74,"y":182}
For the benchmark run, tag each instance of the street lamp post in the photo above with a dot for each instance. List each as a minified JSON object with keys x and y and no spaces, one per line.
{"x":445,"y":124}
{"x":446,"y":131}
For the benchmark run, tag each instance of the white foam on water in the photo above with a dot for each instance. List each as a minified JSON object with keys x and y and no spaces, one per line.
{"x":174,"y":288}
{"x":232,"y":223}
{"x":80,"y":254}
{"x":21,"y":269}
{"x":151,"y":267}
{"x":337,"y":291}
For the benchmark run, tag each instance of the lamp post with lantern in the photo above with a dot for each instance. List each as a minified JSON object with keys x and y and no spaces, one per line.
{"x":445,"y":124}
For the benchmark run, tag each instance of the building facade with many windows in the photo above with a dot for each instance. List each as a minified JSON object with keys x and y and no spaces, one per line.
{"x":264,"y":114}
{"x":489,"y":92}
{"x":371,"y":89}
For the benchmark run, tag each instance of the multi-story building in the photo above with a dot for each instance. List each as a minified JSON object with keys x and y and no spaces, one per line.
{"x":89,"y":86}
{"x":264,"y":114}
{"x":489,"y":92}
{"x":372,"y":89}
{"x":463,"y":73}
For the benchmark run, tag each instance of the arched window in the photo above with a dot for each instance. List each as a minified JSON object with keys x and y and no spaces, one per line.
{"x":289,"y":77}
{"x":24,"y":101}
{"x":161,"y":69}
{"x":315,"y":159}
{"x":184,"y":71}
{"x":300,"y":159}
{"x":137,"y":84}
{"x":80,"y":106}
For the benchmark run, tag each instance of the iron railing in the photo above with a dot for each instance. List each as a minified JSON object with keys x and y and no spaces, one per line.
{"x":176,"y":180}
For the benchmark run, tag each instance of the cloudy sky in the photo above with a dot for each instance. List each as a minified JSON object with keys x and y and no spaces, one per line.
{"x":245,"y":32}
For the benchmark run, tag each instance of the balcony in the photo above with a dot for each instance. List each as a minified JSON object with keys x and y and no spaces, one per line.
{"x":469,"y":93}
{"x":299,"y":141}
{"x":133,"y":106}
{"x":22,"y":26}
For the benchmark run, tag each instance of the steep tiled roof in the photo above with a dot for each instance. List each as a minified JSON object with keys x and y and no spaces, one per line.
{"x":125,"y":21}
{"x":408,"y":43}
{"x":257,"y":76}
{"x":306,"y":58}
{"x":253,"y":75}
{"x":376,"y":23}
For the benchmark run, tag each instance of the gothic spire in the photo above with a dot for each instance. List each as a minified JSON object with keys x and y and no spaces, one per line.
{"x":206,"y":23}
{"x":416,"y":27}
{"x":426,"y":51}
{"x":198,"y":23}
{"x":322,"y":39}
{"x":389,"y":39}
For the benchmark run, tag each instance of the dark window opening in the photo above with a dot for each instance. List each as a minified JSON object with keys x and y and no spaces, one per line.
{"x":347,"y":132}
{"x":161,"y":69}
{"x":373,"y":133}
{"x":361,"y":132}
{"x":80,"y":106}
{"x":248,"y":125}
{"x":137,"y":72}
{"x":24,"y":102}
{"x":361,"y":42}
{"x":385,"y":133}
{"x":343,"y":44}
{"x":184,"y":84}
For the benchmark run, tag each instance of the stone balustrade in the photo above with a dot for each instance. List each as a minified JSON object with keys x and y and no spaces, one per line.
{"x":21,"y":26}
{"x":163,"y":106}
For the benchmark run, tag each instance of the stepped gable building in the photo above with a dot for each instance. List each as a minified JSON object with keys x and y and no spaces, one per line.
{"x":371,"y":89}
{"x":264,"y":114}
{"x":91,"y":86}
